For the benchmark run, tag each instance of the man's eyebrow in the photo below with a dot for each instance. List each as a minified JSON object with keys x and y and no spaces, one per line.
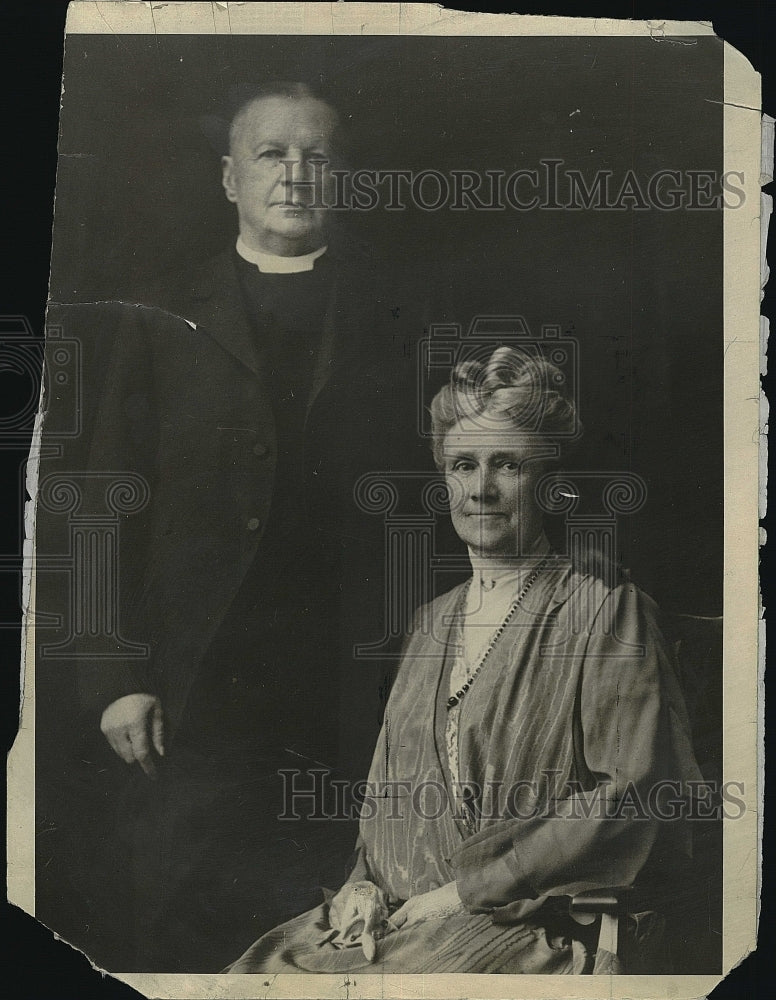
{"x":317,"y":145}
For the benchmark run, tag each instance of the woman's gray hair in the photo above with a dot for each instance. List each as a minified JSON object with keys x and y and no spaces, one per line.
{"x":519,"y":386}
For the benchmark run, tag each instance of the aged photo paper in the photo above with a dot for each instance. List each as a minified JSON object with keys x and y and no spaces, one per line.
{"x":392,"y":620}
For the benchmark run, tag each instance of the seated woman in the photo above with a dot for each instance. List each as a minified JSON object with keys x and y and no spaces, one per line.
{"x":530,"y":760}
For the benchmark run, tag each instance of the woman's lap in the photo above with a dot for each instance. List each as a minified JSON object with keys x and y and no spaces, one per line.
{"x":461,"y":943}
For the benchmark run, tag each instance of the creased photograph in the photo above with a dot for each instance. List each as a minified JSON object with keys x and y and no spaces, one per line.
{"x":392,"y":603}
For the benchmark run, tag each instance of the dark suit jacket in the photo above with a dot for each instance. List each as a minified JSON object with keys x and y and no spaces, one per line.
{"x":184,"y":404}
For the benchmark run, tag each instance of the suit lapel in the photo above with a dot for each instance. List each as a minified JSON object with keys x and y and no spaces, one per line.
{"x":348,"y":321}
{"x":214,"y":301}
{"x":211,"y":297}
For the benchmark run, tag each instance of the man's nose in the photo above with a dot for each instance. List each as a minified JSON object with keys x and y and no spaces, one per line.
{"x":299,"y":169}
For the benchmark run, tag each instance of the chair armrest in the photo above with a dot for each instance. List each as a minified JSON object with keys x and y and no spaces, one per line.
{"x":611,"y":906}
{"x":593,"y":902}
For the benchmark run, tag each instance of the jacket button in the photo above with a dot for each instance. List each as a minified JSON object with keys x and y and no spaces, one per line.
{"x":260,"y":450}
{"x":253,"y":523}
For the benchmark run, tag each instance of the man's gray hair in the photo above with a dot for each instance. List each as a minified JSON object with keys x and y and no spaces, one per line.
{"x":293,"y":90}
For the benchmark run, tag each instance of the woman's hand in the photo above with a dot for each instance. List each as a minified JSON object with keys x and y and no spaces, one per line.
{"x":442,"y":902}
{"x":358,"y":913}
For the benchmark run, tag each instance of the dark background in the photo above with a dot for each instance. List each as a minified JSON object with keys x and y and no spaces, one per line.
{"x":139,"y":193}
{"x":33,"y":37}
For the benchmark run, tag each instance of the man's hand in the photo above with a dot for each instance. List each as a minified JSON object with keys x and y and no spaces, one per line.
{"x":134,"y":727}
{"x":442,"y":902}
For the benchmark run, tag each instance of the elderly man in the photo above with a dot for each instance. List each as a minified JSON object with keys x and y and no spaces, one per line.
{"x":266,"y":310}
{"x":249,"y":395}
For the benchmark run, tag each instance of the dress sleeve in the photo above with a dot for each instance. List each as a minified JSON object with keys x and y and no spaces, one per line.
{"x":634,"y":739}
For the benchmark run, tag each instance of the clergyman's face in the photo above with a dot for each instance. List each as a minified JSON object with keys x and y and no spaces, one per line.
{"x":281,"y":207}
{"x":492,"y":477}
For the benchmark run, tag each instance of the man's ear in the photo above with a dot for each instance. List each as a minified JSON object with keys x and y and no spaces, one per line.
{"x":227,"y":177}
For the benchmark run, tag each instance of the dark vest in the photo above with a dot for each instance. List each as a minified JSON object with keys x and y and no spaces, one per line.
{"x":268,"y":673}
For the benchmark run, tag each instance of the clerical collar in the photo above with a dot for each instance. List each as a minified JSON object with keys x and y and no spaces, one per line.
{"x":270,"y":263}
{"x":490,"y":572}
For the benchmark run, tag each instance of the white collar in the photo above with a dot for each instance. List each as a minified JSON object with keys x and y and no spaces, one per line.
{"x":490,"y":573}
{"x":271,"y":263}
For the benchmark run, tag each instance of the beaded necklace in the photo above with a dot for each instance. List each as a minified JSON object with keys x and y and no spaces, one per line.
{"x":454,"y":699}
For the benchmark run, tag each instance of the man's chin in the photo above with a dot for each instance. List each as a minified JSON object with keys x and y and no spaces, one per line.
{"x":285,"y":220}
{"x":289,"y":240}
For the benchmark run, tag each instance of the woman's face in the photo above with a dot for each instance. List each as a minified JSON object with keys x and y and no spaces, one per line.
{"x":491,"y":471}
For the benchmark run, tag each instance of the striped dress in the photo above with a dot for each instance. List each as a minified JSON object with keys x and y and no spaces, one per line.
{"x":573,"y":721}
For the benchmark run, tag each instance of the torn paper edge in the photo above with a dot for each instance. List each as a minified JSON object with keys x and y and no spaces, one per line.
{"x":768,"y":144}
{"x":351,"y":18}
{"x":292,"y":18}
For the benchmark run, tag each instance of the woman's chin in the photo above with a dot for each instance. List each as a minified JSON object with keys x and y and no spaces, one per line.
{"x":485,"y":549}
{"x":487,"y":541}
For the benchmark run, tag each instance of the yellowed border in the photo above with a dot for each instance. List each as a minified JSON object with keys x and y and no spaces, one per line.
{"x":131,"y":16}
{"x":741,"y":309}
{"x":741,"y":338}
